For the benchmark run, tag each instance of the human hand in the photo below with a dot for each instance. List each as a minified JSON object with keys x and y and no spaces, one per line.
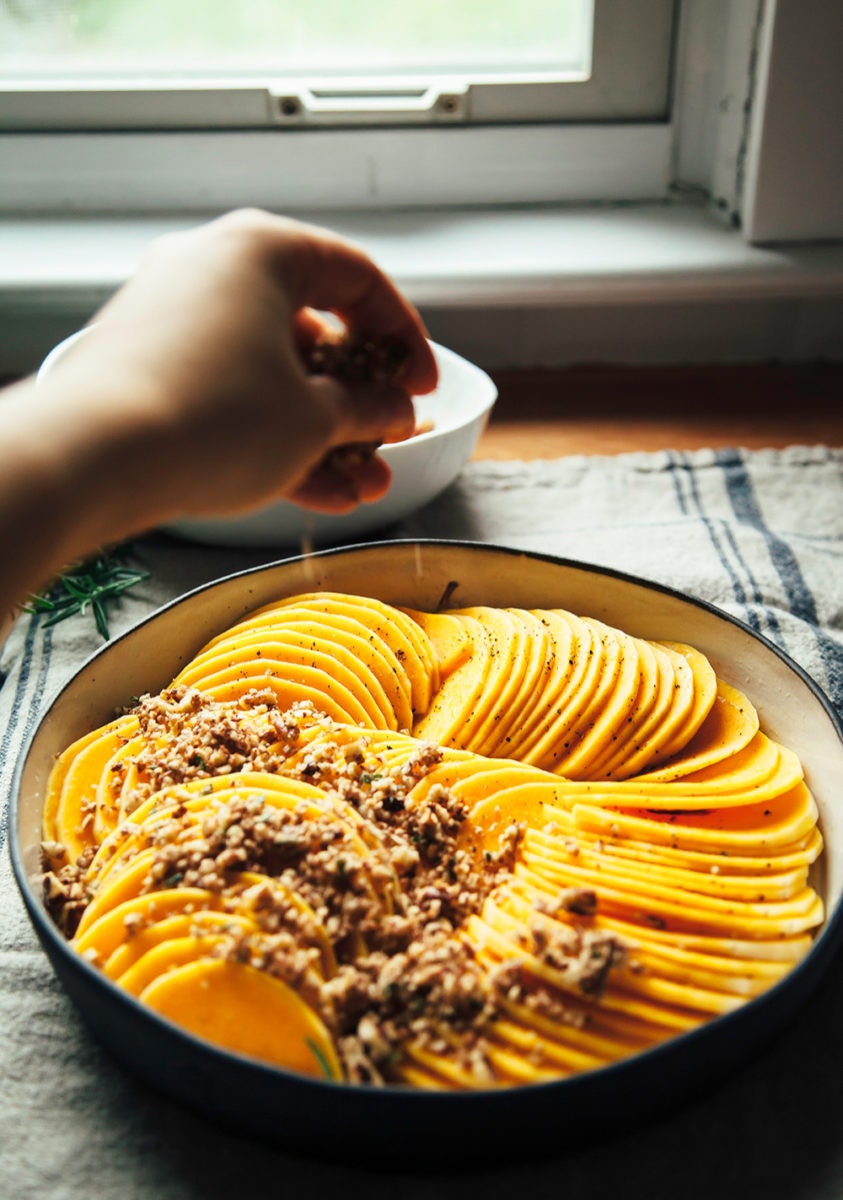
{"x":195,"y":368}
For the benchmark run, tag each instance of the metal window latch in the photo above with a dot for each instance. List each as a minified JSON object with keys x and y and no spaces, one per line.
{"x":371,"y":105}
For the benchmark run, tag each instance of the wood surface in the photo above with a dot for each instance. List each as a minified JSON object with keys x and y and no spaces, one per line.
{"x":615,"y":410}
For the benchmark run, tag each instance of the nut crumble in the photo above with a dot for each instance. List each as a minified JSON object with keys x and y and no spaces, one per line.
{"x":359,"y":902}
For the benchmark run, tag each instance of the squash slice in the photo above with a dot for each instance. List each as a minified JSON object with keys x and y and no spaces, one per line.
{"x":563,"y":677}
{"x":291,"y":683}
{"x":654,"y":695}
{"x":504,"y":738}
{"x":548,"y":744}
{"x":730,"y":724}
{"x":349,"y":640}
{"x":506,"y":658}
{"x":449,"y":638}
{"x":178,"y":925}
{"x":457,"y":700}
{"x":247,"y":1011}
{"x":108,"y":930}
{"x":73,"y":815}
{"x":611,"y":707}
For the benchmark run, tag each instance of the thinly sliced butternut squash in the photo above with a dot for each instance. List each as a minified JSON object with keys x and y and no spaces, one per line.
{"x":102,"y":934}
{"x":72,"y":814}
{"x":397,"y":630}
{"x":730,"y":724}
{"x":558,"y":731}
{"x":654,"y":694}
{"x":504,"y":738}
{"x":769,"y":885}
{"x":704,"y":693}
{"x":247,"y":1011}
{"x":595,"y":785}
{"x":455,"y":704}
{"x":612,"y":705}
{"x":449,"y":637}
{"x":353,"y":645}
{"x":163,"y":958}
{"x":505,"y":660}
{"x":285,"y":650}
{"x":179,"y":925}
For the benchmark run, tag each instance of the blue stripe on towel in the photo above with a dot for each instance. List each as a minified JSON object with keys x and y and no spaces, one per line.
{"x":799,"y":595}
{"x":748,"y":511}
{"x":14,"y":717}
{"x":27,"y":715}
{"x":683,"y":472}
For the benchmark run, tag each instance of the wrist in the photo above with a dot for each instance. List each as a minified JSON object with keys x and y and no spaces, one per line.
{"x":71,"y":478}
{"x":37,"y":517}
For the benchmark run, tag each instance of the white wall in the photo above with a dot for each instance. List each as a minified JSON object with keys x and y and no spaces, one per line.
{"x":794,"y":186}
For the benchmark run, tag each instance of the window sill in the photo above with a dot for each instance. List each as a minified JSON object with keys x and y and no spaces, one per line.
{"x":509,"y":287}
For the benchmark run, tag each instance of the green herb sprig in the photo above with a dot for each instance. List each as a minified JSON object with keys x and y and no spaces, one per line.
{"x":87,"y":585}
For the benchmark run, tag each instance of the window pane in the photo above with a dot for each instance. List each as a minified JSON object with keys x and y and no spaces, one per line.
{"x":40,"y":39}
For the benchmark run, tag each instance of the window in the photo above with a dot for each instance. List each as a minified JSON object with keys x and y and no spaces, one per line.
{"x":218,"y":64}
{"x":199,"y":105}
{"x":479,"y":219}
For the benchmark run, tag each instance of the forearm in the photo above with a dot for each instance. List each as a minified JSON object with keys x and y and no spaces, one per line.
{"x":68,"y":484}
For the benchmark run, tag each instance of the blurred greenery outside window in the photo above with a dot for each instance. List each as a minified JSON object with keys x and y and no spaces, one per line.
{"x":184,"y":38}
{"x":269,"y":62}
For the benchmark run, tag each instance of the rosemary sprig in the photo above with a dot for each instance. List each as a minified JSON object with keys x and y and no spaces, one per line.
{"x":87,"y":585}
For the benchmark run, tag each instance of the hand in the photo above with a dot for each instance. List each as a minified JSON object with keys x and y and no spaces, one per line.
{"x":188,"y":396}
{"x":202,"y":354}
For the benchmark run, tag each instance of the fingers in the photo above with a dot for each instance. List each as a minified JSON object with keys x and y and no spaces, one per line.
{"x":363,"y":413}
{"x":340,"y":483}
{"x":323,"y":271}
{"x":292,"y":276}
{"x":309,"y":328}
{"x":361,"y":417}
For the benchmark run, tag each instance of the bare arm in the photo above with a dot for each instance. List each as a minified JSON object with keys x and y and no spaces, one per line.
{"x":188,"y":396}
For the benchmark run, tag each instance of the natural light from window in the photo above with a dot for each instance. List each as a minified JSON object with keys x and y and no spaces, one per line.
{"x":248,"y":39}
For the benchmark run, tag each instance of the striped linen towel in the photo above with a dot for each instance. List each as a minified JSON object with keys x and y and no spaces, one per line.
{"x":760,"y":534}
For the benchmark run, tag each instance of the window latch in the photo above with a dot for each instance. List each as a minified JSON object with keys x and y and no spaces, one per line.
{"x":371,"y":105}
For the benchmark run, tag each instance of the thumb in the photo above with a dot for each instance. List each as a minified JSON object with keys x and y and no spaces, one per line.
{"x":342,"y":481}
{"x":362,"y":412}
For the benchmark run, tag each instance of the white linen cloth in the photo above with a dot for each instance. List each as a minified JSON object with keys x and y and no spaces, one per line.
{"x":759,"y":534}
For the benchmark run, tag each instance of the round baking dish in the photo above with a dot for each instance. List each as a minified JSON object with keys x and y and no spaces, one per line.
{"x":400,"y":1124}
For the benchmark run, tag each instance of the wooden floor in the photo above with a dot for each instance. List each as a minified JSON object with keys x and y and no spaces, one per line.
{"x":613,"y":410}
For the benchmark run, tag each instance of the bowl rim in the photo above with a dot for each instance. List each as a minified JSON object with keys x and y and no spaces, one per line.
{"x":422,"y":467}
{"x":798,"y":982}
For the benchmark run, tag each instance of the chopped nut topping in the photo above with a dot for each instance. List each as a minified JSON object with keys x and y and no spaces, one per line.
{"x":362,"y":898}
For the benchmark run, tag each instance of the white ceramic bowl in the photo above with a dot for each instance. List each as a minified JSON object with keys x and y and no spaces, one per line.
{"x":413,"y":1126}
{"x":421,"y":467}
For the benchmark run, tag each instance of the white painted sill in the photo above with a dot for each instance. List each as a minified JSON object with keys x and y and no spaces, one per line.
{"x":542,"y":286}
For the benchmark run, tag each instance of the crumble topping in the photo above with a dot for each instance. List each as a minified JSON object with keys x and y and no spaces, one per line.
{"x":360,"y":905}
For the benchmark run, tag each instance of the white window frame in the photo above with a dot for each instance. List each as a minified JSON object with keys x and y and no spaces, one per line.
{"x":794,"y":150}
{"x":758,"y":113}
{"x":462,"y":157}
{"x":749,"y":72}
{"x":193,"y":172}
